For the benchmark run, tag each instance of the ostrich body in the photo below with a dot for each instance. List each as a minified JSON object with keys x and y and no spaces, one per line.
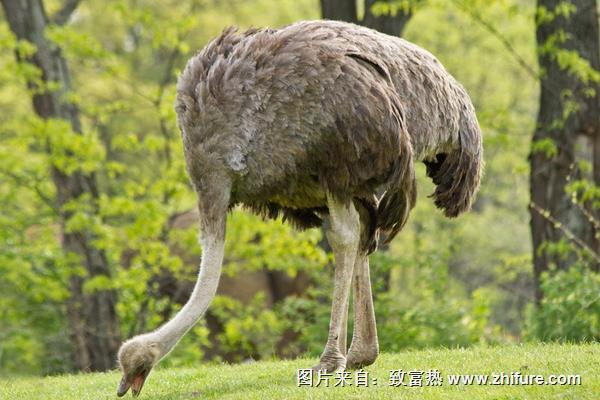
{"x":319,"y":122}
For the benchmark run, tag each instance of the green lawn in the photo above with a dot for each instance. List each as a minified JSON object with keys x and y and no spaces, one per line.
{"x":277,"y":379}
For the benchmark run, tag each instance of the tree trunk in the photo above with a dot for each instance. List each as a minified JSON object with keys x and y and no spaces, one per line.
{"x":345,"y":10}
{"x":390,"y":24}
{"x":550,"y":170}
{"x":339,"y":10}
{"x":92,"y":317}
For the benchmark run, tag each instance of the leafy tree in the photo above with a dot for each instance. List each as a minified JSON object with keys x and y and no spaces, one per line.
{"x":569,"y":57}
{"x":570,"y":306}
{"x":73,"y":158}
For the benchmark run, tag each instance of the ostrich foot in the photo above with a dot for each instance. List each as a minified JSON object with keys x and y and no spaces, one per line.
{"x":330,"y":362}
{"x":361,"y":356}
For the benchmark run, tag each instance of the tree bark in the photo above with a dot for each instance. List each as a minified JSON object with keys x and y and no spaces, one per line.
{"x":339,"y":10}
{"x":92,"y":317}
{"x":551,"y":172}
{"x":390,"y":24}
{"x":345,"y":10}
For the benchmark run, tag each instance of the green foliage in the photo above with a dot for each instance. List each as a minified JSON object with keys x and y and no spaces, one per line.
{"x":393,"y":7}
{"x":554,"y":47}
{"x":585,"y":193}
{"x":570,"y":308}
{"x":249,"y":330}
{"x":253,"y":244}
{"x":546,"y":146}
{"x":447,"y":321}
{"x":563,"y":9}
{"x":427,"y":307}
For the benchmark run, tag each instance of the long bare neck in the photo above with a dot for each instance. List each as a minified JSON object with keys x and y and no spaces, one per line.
{"x":206,"y":286}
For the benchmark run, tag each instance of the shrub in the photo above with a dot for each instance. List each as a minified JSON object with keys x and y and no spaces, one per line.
{"x":570,"y":308}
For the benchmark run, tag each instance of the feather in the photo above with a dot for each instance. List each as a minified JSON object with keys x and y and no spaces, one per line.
{"x":291,"y":114}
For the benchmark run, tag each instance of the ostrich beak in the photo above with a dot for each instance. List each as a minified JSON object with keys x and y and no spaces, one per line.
{"x":123,"y":386}
{"x":138,"y":383}
{"x":135,"y":384}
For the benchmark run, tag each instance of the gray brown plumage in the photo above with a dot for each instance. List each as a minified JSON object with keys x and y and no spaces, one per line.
{"x":319,"y":106}
{"x":317,"y":121}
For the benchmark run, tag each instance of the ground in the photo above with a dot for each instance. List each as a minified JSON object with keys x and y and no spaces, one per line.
{"x":278,"y":379}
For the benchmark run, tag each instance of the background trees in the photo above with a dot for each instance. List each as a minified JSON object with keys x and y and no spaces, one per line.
{"x":92,"y":317}
{"x":565,"y":158}
{"x":93,"y":188}
{"x":387,"y":16}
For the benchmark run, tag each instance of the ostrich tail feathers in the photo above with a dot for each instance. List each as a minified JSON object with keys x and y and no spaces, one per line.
{"x":457,"y":173}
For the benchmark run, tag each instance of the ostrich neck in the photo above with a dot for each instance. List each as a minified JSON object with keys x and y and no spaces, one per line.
{"x":206,"y":286}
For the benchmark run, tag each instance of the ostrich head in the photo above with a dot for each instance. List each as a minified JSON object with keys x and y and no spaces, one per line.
{"x":137,"y":356}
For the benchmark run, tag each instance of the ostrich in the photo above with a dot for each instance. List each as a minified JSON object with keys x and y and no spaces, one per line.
{"x":318,"y":122}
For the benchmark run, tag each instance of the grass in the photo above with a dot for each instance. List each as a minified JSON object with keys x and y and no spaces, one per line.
{"x":277,"y":379}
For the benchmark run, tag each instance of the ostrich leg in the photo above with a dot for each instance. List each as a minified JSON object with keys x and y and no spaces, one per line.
{"x":343,"y":235}
{"x":364,"y":347}
{"x":343,"y":341}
